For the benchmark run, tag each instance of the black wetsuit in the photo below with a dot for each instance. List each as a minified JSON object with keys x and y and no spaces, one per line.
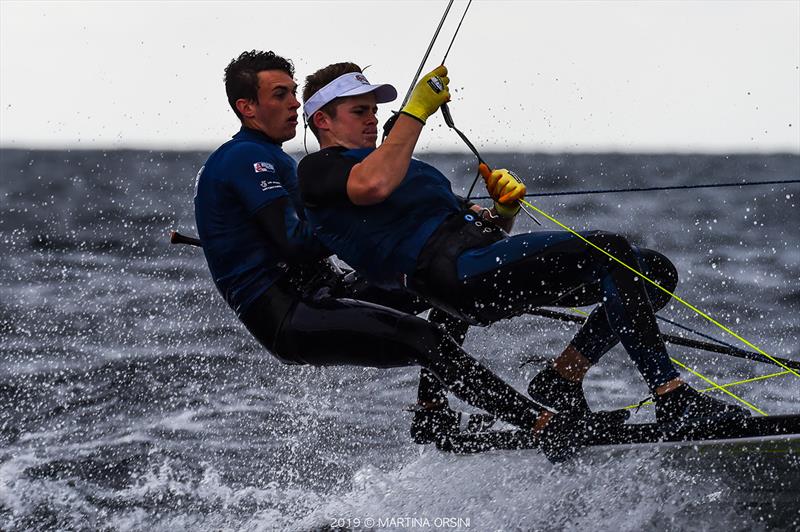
{"x":300,"y":308}
{"x":475,"y":271}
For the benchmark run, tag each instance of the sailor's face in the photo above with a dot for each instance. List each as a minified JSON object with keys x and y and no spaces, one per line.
{"x":275,"y":113}
{"x":356,"y":123}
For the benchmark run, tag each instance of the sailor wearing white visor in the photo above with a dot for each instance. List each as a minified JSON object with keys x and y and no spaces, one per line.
{"x":412,"y":224}
{"x":350,"y":84}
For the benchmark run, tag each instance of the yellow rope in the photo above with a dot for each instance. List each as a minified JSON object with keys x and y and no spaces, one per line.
{"x":687,"y":304}
{"x":737,"y":383}
{"x":718,"y":387}
{"x":714,"y":385}
{"x":752,"y":379}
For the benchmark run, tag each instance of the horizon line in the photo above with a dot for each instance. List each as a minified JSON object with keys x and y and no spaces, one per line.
{"x":520,"y":149}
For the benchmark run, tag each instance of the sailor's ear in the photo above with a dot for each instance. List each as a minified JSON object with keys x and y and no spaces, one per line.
{"x":321,"y":120}
{"x":247,"y":108}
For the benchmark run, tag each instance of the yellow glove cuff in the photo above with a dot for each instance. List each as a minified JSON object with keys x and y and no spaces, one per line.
{"x":507,"y":211}
{"x":416,"y":114}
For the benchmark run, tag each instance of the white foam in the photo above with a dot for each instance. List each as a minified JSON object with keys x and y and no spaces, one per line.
{"x":523,"y":491}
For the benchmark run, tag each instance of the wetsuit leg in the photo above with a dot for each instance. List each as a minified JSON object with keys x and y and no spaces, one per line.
{"x":548,"y":268}
{"x":431,"y":391}
{"x":596,"y":336}
{"x":350,"y":332}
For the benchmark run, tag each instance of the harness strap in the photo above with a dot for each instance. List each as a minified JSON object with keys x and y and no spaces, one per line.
{"x":436,"y":274}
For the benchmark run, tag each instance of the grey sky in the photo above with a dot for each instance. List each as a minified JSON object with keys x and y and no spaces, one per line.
{"x":577,"y":76}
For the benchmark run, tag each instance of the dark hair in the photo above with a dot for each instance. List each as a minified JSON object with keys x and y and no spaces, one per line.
{"x":319,"y":79}
{"x":241,"y":75}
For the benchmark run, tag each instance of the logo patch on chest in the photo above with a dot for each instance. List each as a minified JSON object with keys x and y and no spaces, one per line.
{"x":269,"y":185}
{"x":263,"y":167}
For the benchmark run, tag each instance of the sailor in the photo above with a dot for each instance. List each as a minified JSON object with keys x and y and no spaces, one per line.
{"x":385,"y":213}
{"x":274,"y":273}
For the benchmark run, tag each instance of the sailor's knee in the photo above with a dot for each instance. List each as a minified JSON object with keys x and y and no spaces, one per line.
{"x":663,"y":271}
{"x":422,"y":337}
{"x":612,"y":243}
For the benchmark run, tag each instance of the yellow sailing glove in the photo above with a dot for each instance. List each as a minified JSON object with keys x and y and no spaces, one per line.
{"x":505,"y":188}
{"x":429,"y":94}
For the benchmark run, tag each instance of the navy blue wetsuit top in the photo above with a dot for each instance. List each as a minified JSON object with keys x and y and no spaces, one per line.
{"x":377,"y":240}
{"x":241,"y":177}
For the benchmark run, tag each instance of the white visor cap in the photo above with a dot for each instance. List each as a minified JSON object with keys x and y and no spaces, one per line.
{"x":350,"y":84}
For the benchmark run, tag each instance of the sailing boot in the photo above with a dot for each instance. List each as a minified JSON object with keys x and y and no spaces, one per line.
{"x":551,"y":389}
{"x":685,"y":403}
{"x":429,"y":426}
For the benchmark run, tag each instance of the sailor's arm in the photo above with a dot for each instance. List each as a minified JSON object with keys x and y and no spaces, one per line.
{"x":291,"y":236}
{"x":372,"y":180}
{"x":254,"y":179}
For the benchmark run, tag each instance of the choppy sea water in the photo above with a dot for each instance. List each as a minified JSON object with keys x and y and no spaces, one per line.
{"x":132,"y":399}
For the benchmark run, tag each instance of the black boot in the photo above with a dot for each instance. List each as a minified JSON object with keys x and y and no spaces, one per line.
{"x":685,"y":403}
{"x":429,"y":426}
{"x":551,"y":389}
{"x":566,"y":434}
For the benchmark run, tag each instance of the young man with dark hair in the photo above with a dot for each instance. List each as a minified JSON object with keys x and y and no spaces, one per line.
{"x":385,"y":213}
{"x":275,"y":275}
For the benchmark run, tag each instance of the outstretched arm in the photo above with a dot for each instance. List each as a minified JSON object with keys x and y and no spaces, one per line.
{"x":381,"y":172}
{"x":372,"y":180}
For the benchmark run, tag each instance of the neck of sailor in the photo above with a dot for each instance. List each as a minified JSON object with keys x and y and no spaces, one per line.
{"x":353,"y":123}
